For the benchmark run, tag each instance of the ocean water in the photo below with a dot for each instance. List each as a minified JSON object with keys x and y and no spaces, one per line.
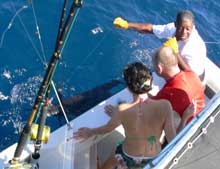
{"x":95,"y":53}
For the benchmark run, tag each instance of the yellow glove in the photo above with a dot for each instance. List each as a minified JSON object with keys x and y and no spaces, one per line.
{"x":121,"y":23}
{"x":171,"y":42}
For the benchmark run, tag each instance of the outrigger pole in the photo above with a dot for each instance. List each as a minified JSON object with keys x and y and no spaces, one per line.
{"x":47,"y":78}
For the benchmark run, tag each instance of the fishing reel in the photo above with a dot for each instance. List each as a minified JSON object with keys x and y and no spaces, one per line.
{"x":23,"y":165}
{"x":45,"y":134}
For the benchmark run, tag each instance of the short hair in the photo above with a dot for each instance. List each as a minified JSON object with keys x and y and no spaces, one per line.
{"x":138,"y":78}
{"x":165,"y":56}
{"x":183,"y":15}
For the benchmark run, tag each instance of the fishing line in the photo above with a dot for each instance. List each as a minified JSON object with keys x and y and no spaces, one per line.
{"x":87,"y":56}
{"x":38,"y":33}
{"x":66,"y":39}
{"x":44,"y":62}
{"x":52,"y":74}
{"x":93,"y":50}
{"x":139,"y":59}
{"x":141,"y":45}
{"x":137,"y":10}
{"x":28,"y":35}
{"x":51,"y":81}
{"x":212,"y":42}
{"x":68,"y":33}
{"x":11,"y":23}
{"x":33,"y":45}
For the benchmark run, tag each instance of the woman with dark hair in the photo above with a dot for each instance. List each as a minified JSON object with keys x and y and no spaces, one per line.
{"x":143,"y":120}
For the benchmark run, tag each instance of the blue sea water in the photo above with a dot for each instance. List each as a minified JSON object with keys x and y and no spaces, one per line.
{"x":95,"y":53}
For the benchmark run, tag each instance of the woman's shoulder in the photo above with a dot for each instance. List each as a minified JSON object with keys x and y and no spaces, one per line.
{"x":124,"y":106}
{"x":162,"y":104}
{"x":160,"y":101}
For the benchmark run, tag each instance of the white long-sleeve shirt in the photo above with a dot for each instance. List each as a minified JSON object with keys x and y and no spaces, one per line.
{"x":193,"y":51}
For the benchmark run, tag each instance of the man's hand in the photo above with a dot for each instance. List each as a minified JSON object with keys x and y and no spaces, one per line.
{"x":190,"y":110}
{"x":121,"y":23}
{"x":82,"y":134}
{"x":171,"y":42}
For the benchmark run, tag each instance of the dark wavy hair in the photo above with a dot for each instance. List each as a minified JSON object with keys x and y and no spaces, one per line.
{"x":138,"y":78}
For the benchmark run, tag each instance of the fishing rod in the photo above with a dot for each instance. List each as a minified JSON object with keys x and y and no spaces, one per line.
{"x":60,"y":29}
{"x":43,"y":136}
{"x":62,"y":20}
{"x":45,"y":83}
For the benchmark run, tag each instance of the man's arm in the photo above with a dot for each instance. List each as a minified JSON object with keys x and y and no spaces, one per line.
{"x":182,"y":64}
{"x":169,"y":127}
{"x":140,"y":27}
{"x":172,"y":43}
{"x":188,"y":112}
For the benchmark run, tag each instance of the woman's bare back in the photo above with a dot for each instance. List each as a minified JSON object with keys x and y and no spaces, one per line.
{"x":143,"y":123}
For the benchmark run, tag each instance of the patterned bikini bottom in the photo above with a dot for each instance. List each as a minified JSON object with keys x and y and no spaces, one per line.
{"x":126,"y":161}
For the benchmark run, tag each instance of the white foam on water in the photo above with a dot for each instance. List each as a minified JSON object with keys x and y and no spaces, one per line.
{"x":133,"y":43}
{"x":7,"y":74}
{"x":25,"y":93}
{"x":3,"y":97}
{"x":20,"y":72}
{"x":97,"y":30}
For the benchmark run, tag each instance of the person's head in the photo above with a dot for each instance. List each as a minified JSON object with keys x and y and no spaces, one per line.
{"x":184,"y":24}
{"x":165,"y":62}
{"x":138,"y":78}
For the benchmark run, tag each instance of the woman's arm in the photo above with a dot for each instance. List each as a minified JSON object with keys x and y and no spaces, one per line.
{"x":85,"y":132}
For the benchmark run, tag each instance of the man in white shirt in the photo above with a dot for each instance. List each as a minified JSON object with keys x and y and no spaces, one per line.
{"x":192,"y":48}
